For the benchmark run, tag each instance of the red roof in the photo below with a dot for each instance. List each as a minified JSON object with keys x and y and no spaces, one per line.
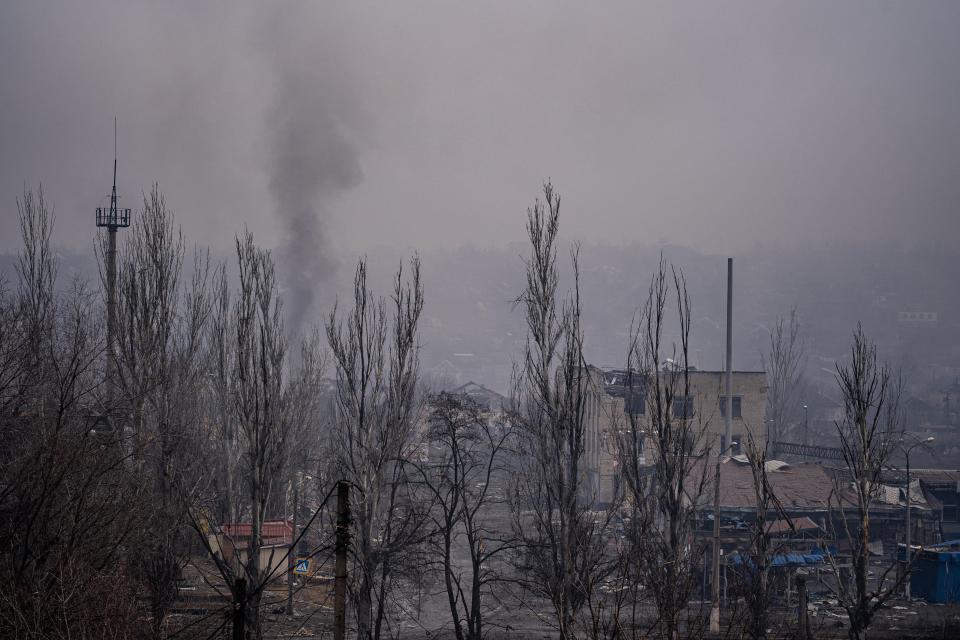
{"x":272,"y":532}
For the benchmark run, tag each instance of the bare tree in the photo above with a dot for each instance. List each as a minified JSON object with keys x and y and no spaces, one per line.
{"x":158,"y":359}
{"x":376,"y":364}
{"x":564,"y":544}
{"x":258,"y":396}
{"x":784,"y":364}
{"x":755,"y":570}
{"x":259,"y":424}
{"x":466,"y":458}
{"x":304,"y":404}
{"x":662,"y":453}
{"x":11,"y":364}
{"x":224,"y":456}
{"x":868,"y":434}
{"x":67,"y":504}
{"x":88,"y":524}
{"x":36,"y":297}
{"x":148,"y":283}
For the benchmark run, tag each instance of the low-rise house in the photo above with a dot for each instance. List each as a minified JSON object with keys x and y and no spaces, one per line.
{"x":815,"y":499}
{"x":488,"y":399}
{"x":940,"y":489}
{"x":814,"y":513}
{"x":231,"y":544}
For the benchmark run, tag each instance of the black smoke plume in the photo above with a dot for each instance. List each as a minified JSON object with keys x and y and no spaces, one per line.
{"x":314,"y":159}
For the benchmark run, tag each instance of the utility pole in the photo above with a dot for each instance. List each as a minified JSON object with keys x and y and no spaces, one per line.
{"x":291,"y":555}
{"x":728,"y":400}
{"x":909,"y":549}
{"x":726,"y":446}
{"x":340,"y":575}
{"x":715,"y":585}
{"x":112,"y":218}
{"x":802,"y":618}
{"x":806,"y":427}
{"x":728,"y":415}
{"x":239,"y":608}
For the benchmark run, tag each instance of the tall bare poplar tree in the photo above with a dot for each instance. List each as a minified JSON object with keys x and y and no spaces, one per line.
{"x":869,"y":431}
{"x":148,"y":289}
{"x":563,"y":545}
{"x":784,"y":364}
{"x":161,"y":330}
{"x":224,"y":456}
{"x":258,"y":396}
{"x":376,"y":363}
{"x":663,"y":452}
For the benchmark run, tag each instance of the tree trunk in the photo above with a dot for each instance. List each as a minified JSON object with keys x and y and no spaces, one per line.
{"x":451,"y":587}
{"x":253,"y":562}
{"x":364,"y":592}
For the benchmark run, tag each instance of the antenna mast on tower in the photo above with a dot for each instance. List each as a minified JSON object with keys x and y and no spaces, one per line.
{"x":112,"y":218}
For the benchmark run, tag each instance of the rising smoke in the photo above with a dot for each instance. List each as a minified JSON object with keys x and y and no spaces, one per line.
{"x":313,"y":159}
{"x":805,"y":125}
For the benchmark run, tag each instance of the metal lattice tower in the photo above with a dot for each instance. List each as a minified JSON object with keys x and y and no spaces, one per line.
{"x":113,"y":218}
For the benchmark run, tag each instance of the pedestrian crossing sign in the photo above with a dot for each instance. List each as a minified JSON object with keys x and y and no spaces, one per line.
{"x":302,"y":566}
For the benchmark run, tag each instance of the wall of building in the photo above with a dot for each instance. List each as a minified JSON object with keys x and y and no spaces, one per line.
{"x":709,"y":387}
{"x":273,"y":557}
{"x":605,"y":416}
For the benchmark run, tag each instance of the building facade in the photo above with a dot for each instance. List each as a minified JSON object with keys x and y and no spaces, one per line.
{"x":614,"y":398}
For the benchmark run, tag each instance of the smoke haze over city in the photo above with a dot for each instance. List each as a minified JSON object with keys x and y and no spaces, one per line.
{"x":718,"y":127}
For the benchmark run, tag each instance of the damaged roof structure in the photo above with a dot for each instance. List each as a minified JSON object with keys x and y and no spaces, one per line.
{"x":809,"y":486}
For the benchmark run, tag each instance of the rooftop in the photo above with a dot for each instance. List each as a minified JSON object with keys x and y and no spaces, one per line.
{"x":805,"y":486}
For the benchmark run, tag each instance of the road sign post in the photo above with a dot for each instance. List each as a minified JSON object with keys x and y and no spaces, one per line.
{"x":302,"y":566}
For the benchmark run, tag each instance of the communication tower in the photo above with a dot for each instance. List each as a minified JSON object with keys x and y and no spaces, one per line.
{"x":112,"y":218}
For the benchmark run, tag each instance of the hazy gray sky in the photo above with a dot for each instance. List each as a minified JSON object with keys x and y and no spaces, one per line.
{"x":717,"y":125}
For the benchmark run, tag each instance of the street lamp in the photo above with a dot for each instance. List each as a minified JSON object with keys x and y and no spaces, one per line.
{"x":806,"y":427}
{"x":769,"y":428}
{"x":909,"y":554}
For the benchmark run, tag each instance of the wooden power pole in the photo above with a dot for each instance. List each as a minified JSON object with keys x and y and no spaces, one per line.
{"x":715,"y":583}
{"x":802,"y":618}
{"x":340,"y":576}
{"x":239,"y":609}
{"x":291,"y":555}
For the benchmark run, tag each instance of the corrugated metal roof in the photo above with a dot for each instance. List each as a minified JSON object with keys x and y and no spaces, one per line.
{"x":797,"y":486}
{"x":804,"y":486}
